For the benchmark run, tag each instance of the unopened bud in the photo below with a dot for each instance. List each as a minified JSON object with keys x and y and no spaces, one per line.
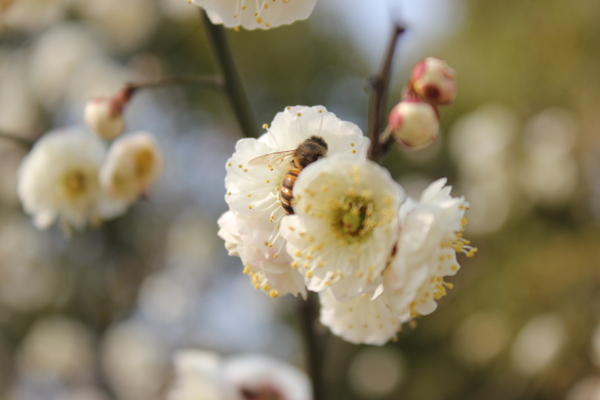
{"x":132,"y":165}
{"x":105,"y":120}
{"x":434,"y":81}
{"x":413,"y":123}
{"x":105,"y":115}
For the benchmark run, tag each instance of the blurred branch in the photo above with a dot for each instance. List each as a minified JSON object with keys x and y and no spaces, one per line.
{"x":27,"y":143}
{"x":314,"y":343}
{"x":379,"y":87}
{"x":208,"y":80}
{"x":232,"y":83}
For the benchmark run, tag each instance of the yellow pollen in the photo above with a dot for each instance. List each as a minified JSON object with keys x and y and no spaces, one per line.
{"x":294,"y":265}
{"x":309,"y":274}
{"x":273,"y":293}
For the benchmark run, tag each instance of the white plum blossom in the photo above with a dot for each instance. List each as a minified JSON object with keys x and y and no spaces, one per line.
{"x":426,"y":251}
{"x":363,"y":319}
{"x":132,"y":165}
{"x":253,"y":191}
{"x":257,"y":376}
{"x":58,"y":181}
{"x":345,"y":225}
{"x":202,"y":375}
{"x":269,"y":276}
{"x":199,"y":376}
{"x":256,"y":14}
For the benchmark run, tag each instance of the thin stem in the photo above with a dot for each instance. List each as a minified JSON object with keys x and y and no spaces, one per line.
{"x":232,"y":83}
{"x":379,"y":89}
{"x":27,"y":143}
{"x":208,"y":80}
{"x":314,"y":343}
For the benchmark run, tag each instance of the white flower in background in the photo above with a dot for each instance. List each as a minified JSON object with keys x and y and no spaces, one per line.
{"x":414,"y":124}
{"x":345,"y":226}
{"x":274,"y":278}
{"x":202,"y":375}
{"x":104,"y":117}
{"x":256,"y":14}
{"x":58,"y":181}
{"x":434,"y":81}
{"x":199,"y":376}
{"x":260,"y":377}
{"x":363,"y":319}
{"x":253,"y":191}
{"x":133,"y":164}
{"x":426,"y":251}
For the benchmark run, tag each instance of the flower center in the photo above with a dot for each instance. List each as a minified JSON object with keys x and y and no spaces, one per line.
{"x":144,"y":160}
{"x":74,"y":183}
{"x":353,"y":218}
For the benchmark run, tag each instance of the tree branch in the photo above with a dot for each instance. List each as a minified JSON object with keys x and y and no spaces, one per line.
{"x":27,"y":143}
{"x":232,"y":83}
{"x":379,"y":87}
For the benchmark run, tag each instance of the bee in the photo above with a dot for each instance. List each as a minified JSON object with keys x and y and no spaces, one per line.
{"x":309,"y":151}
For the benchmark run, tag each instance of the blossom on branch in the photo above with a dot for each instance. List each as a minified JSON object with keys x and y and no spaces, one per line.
{"x":256,"y":14}
{"x":254,"y":189}
{"x":434,"y":81}
{"x":58,"y":181}
{"x":132,"y":165}
{"x":345,"y":226}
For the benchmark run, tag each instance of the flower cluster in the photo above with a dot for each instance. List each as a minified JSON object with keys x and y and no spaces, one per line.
{"x":71,"y":178}
{"x":205,"y":375}
{"x":376,"y":257}
{"x":414,"y":122}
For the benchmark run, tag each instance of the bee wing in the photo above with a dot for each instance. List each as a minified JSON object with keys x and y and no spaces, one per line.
{"x":274,"y":159}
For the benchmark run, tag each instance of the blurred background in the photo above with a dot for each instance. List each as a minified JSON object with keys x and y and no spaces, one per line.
{"x":99,"y":316}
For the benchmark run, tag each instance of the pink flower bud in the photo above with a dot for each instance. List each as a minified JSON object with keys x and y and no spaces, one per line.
{"x":414,"y":123}
{"x":434,"y":81}
{"x":104,"y":117}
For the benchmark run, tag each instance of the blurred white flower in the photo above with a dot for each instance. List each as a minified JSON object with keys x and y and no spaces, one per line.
{"x":58,"y":181}
{"x":345,"y":226}
{"x":127,"y":24}
{"x":55,"y":56}
{"x":134,"y":361}
{"x":202,"y":375}
{"x":258,"y":376}
{"x":361,"y":319}
{"x":61,"y":347}
{"x":253,"y":189}
{"x":199,"y":376}
{"x":426,"y":251}
{"x":133,"y":163}
{"x":262,"y":14}
{"x":31,"y":15}
{"x":538,"y":344}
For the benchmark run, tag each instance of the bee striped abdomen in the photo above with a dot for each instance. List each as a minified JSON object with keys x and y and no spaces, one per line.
{"x":286,"y":193}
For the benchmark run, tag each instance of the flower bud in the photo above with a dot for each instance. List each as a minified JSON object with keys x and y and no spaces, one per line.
{"x":104,"y":118}
{"x":434,"y":81}
{"x":414,"y":123}
{"x":132,"y":165}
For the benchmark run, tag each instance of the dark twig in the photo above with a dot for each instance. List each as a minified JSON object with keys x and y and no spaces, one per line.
{"x":379,"y":88}
{"x":208,"y":80}
{"x":232,"y":83}
{"x":27,"y":143}
{"x":314,"y":343}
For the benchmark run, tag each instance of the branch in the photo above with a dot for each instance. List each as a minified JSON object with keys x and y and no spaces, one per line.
{"x":232,"y":83}
{"x":314,"y":343}
{"x":379,"y":88}
{"x":27,"y":143}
